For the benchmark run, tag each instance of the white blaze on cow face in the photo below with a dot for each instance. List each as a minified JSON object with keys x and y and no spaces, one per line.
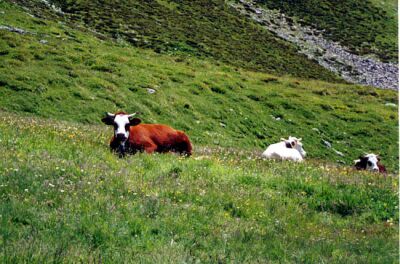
{"x":372,"y":162}
{"x":121,"y":125}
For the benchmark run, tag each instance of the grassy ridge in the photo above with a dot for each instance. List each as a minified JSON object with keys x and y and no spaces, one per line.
{"x":65,"y":197}
{"x":201,"y":28}
{"x":74,"y":76}
{"x":366,"y":27}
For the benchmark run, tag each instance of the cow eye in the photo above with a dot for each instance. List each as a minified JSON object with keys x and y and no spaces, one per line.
{"x":369,"y":163}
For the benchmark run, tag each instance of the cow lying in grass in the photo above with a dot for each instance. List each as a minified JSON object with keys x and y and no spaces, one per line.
{"x":370,"y":162}
{"x":287,"y":149}
{"x":130,"y":136}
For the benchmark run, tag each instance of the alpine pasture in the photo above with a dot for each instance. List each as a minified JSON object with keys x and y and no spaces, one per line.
{"x":66,"y":198}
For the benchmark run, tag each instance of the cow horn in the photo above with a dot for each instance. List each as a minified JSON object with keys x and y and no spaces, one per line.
{"x":299,"y":139}
{"x":131,"y":115}
{"x":355,"y":161}
{"x":282,"y":139}
{"x":109,"y":114}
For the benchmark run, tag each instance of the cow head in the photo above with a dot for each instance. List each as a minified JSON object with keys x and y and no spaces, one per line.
{"x":368,"y":162}
{"x":295,"y":143}
{"x":122,"y":123}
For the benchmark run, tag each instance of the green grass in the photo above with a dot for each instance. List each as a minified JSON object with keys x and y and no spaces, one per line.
{"x":78,"y":77}
{"x":66,"y":198}
{"x":201,"y":28}
{"x":366,"y":27}
{"x":390,"y":6}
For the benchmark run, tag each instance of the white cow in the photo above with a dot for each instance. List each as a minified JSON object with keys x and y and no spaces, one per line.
{"x":287,"y":149}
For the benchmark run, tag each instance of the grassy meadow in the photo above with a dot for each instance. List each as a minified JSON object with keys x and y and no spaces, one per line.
{"x":66,"y":198}
{"x":75,"y":76}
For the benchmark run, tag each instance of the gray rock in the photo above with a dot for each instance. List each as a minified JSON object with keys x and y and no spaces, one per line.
{"x":331,"y":55}
{"x":151,"y":91}
{"x":338,"y":152}
{"x":327,"y":143}
{"x":13,"y":29}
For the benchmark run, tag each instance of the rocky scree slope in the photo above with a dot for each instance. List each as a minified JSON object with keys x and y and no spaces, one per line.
{"x":329,"y":54}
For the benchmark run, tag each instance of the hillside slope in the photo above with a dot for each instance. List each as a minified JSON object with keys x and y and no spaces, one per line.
{"x":54,"y":71}
{"x":355,"y":68}
{"x":65,"y":198}
{"x":199,"y":28}
{"x":366,"y":27}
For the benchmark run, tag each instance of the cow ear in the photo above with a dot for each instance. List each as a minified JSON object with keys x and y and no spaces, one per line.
{"x":134,"y":121}
{"x":108,"y":120}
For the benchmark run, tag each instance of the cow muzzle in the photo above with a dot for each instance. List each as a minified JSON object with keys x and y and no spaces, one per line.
{"x":121,"y":137}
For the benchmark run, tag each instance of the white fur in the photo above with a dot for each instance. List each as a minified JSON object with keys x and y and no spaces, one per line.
{"x":372,"y":164}
{"x":121,"y":121}
{"x":281,"y":152}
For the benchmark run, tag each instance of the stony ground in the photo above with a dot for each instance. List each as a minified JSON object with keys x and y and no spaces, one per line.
{"x":331,"y":55}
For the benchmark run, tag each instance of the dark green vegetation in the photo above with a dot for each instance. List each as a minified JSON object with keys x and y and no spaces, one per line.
{"x":366,"y":27}
{"x":198,"y":28}
{"x":77,"y":77}
{"x":65,"y":198}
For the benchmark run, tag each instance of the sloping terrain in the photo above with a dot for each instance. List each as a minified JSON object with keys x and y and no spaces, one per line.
{"x":199,"y":28}
{"x":54,"y":71}
{"x":65,"y":198}
{"x":330,"y":54}
{"x":366,"y":27}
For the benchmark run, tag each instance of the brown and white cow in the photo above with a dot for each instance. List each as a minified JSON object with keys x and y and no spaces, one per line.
{"x":369,"y":162}
{"x":130,"y":136}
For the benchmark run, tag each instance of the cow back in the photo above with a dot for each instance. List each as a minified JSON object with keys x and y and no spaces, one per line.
{"x":164,"y":137}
